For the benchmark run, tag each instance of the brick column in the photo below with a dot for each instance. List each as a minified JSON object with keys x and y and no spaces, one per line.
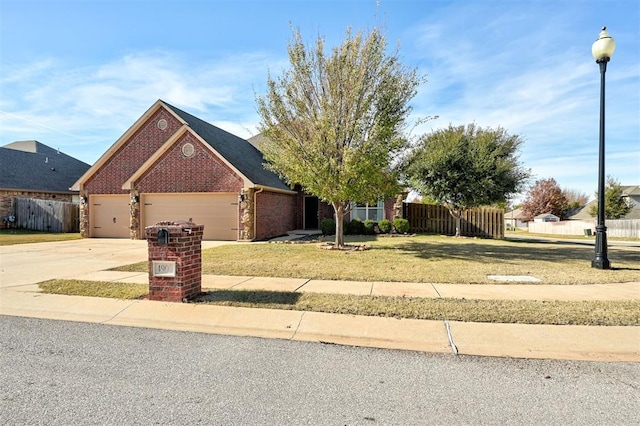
{"x":175,"y":268}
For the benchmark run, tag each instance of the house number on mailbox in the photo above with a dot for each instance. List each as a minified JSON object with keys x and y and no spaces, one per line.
{"x":163,"y":268}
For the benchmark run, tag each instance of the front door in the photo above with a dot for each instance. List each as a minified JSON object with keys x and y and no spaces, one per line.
{"x":310,"y":212}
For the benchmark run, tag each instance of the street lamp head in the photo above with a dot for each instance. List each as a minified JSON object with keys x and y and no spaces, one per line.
{"x":603,"y":47}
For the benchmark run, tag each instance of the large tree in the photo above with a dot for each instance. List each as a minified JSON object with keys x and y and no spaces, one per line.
{"x":545,"y":196}
{"x":335,"y":121}
{"x":616,"y":205}
{"x":575,"y":198}
{"x":463,"y":167}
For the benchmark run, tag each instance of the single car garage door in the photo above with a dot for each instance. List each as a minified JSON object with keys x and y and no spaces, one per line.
{"x":218,"y":212}
{"x":109,"y":216}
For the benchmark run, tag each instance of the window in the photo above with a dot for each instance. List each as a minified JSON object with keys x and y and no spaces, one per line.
{"x":366,"y":211}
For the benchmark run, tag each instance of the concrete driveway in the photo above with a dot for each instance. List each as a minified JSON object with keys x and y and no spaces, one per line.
{"x":25,"y":264}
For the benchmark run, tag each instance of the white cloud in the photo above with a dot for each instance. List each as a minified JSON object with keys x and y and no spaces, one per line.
{"x":77,"y":109}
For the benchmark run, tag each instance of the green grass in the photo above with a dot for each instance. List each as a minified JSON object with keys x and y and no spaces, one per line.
{"x":25,"y":236}
{"x":609,"y":313}
{"x":423,"y":258}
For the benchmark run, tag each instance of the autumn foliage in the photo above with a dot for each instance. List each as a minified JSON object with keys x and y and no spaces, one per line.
{"x":545,"y":196}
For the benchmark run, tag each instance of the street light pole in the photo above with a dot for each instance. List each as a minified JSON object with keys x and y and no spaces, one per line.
{"x":602,"y":51}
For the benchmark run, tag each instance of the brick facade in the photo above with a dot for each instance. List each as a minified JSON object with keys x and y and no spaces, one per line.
{"x":275,"y":214}
{"x":132,"y":155}
{"x":202,"y":171}
{"x":184,"y":248}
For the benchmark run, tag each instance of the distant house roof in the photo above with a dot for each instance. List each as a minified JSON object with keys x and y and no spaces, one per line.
{"x":33,"y":166}
{"x":631,"y":191}
{"x":514,"y":214}
{"x":543,"y":215}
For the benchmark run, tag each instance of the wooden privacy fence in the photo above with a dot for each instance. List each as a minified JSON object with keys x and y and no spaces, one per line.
{"x":46,"y":215}
{"x":428,"y":218}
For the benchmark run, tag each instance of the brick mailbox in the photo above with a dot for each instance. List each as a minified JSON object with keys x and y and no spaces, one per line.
{"x":175,"y":260}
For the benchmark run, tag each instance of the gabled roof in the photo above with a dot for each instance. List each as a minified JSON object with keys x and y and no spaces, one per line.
{"x":33,"y":166}
{"x":237,"y":151}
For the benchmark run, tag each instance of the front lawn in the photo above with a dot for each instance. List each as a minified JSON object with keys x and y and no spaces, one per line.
{"x":423,"y":258}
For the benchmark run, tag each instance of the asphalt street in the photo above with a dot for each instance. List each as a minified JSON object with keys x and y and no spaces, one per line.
{"x":66,"y":373}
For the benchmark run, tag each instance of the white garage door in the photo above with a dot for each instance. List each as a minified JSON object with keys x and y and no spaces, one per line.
{"x":218,"y":212}
{"x":109,"y":216}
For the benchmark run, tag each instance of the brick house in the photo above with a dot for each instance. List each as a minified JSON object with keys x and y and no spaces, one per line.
{"x":171,"y":165}
{"x":30,"y":169}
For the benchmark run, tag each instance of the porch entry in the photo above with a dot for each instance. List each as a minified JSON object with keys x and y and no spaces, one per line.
{"x":310,"y":212}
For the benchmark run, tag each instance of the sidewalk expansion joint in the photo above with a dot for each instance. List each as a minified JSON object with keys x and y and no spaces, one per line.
{"x":241,"y":282}
{"x":301,"y":285}
{"x":451,"y":342}
{"x":117,"y":314}
{"x":454,"y":348}
{"x":293,"y":336}
{"x":436,"y":290}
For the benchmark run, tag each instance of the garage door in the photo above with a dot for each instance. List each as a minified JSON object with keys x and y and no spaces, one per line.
{"x":109,"y":216}
{"x":218,"y":212}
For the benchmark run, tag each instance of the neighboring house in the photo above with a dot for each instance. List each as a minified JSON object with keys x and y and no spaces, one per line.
{"x":633,"y":197}
{"x":30,"y":169}
{"x":546,"y":217}
{"x":630,"y":192}
{"x":514,"y":219}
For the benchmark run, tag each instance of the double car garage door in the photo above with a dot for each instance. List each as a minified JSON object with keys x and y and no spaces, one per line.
{"x":218,"y":212}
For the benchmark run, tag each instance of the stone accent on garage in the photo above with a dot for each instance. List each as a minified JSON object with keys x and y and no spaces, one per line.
{"x":247,"y":214}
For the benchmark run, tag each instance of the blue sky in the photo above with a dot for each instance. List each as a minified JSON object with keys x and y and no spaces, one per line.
{"x":75,"y":75}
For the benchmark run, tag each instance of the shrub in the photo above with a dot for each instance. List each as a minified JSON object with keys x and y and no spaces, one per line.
{"x":401,"y":225}
{"x":328,"y":226}
{"x":354,"y":227}
{"x":385,"y":226}
{"x":369,"y":227}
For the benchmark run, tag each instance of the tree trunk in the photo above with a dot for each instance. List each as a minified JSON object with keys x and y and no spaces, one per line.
{"x":339,"y":213}
{"x":457,"y":215}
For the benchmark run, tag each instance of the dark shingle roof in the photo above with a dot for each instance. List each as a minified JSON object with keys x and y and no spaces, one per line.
{"x":239,"y":152}
{"x":33,"y":166}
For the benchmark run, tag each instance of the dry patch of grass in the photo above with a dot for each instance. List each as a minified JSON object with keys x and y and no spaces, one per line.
{"x":493,"y":311}
{"x":95,"y":289}
{"x":423,"y":258}
{"x":23,"y":236}
{"x":609,"y":313}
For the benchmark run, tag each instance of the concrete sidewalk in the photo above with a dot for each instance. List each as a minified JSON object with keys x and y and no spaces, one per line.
{"x":618,"y":291}
{"x":502,"y":340}
{"x":24,"y":266}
